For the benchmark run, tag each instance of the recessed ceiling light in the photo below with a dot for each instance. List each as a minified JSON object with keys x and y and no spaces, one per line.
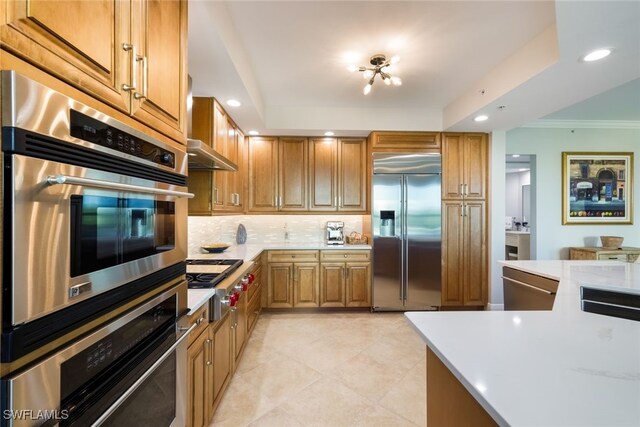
{"x":480,"y":118}
{"x":597,"y":54}
{"x":254,"y":132}
{"x":523,"y":169}
{"x":329,"y":133}
{"x":515,"y":155}
{"x":233,"y":103}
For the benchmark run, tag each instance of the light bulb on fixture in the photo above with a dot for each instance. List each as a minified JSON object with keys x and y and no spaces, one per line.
{"x":394,"y":59}
{"x":352,"y":68}
{"x":381,"y":66}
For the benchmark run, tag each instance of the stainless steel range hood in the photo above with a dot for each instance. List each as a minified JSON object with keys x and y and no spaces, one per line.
{"x":203,"y":157}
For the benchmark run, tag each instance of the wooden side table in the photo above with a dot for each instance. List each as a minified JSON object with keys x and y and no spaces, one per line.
{"x":598,"y":253}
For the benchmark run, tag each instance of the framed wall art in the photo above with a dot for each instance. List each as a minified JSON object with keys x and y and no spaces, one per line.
{"x":597,"y":188}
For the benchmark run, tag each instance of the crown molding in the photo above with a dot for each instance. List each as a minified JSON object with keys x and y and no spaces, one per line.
{"x":583,"y":124}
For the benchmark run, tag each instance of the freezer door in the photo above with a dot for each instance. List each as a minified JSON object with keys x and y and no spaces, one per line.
{"x":422,"y":241}
{"x":387,"y":243}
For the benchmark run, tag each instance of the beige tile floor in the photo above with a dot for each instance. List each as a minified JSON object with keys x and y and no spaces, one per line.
{"x":328,"y":369}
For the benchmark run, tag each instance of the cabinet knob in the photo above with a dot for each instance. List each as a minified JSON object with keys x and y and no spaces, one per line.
{"x":345,"y":255}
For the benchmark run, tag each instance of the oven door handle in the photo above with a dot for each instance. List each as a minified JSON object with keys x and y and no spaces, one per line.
{"x":143,"y":377}
{"x":87,"y":182}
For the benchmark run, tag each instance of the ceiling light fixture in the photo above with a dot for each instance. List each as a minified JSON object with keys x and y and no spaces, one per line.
{"x":379,"y":63}
{"x":480,"y":118}
{"x":254,"y":132}
{"x":329,"y":133}
{"x":597,"y":54}
{"x":234,"y":103}
{"x":515,"y":156}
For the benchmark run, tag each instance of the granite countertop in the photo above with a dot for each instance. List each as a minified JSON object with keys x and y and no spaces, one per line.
{"x":547,"y":368}
{"x":248,"y":252}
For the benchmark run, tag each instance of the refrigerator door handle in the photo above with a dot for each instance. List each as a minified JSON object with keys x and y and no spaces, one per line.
{"x":405,"y":248}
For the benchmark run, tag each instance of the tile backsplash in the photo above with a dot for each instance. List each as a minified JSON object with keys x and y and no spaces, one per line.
{"x":266,"y":228}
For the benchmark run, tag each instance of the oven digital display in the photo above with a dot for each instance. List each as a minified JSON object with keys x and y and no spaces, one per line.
{"x":97,"y":132}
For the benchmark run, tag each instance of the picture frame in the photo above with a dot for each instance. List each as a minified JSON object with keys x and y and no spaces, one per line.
{"x":597,"y":188}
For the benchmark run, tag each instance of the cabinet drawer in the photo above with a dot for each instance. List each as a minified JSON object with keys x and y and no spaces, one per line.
{"x":511,"y":240}
{"x":620,"y":257}
{"x":201,"y":318}
{"x":333,"y":255}
{"x":293,"y":256}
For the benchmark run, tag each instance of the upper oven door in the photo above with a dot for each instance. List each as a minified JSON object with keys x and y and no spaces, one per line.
{"x":78,"y":232}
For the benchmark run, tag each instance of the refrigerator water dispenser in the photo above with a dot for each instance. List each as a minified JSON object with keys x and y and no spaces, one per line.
{"x":387,"y":223}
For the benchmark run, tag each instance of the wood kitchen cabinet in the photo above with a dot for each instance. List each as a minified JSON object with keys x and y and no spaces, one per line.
{"x":345,"y":278}
{"x":338,"y":174}
{"x":198,"y":361}
{"x":277,"y":174}
{"x":405,"y":141}
{"x":464,"y":253}
{"x":129,"y":54}
{"x":293,"y":279}
{"x":464,"y":219}
{"x":216,"y":191}
{"x":464,"y":166}
{"x":221,"y":366}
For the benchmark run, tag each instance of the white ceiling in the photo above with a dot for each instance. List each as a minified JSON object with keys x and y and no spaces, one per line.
{"x":286,"y":62}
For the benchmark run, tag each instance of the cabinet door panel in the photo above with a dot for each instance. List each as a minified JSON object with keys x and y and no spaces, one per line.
{"x":293,"y":174}
{"x":475,"y":254}
{"x":352,"y":170}
{"x":59,"y":37}
{"x":280,"y":279}
{"x":452,"y":253}
{"x":323,"y":174}
{"x":263,"y":174}
{"x":159,"y":32}
{"x":358,"y":284}
{"x":306,"y":282}
{"x":452,"y":166}
{"x":475,"y":168}
{"x":332,"y":285}
{"x":221,"y":360}
{"x":197,"y":357}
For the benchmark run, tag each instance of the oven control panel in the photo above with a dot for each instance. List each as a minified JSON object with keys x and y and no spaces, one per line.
{"x":97,"y":132}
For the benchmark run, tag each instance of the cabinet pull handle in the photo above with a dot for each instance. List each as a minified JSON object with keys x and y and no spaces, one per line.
{"x":215,"y":195}
{"x":208,"y":343}
{"x":128,"y":47}
{"x":339,"y":201}
{"x":466,"y":189}
{"x":466,"y":210}
{"x":143,"y":95}
{"x":535,"y":288}
{"x":280,"y":201}
{"x":461,"y":209}
{"x":462,"y":189}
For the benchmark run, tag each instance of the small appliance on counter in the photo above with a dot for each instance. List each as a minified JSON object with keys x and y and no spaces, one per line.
{"x":335,"y":233}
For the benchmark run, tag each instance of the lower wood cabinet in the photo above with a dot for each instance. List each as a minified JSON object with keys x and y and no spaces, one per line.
{"x":331,"y":278}
{"x":345,"y":278}
{"x":464,"y":253}
{"x":198,"y":356}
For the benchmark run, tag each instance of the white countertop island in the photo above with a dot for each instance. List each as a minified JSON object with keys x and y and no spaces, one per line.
{"x":563,"y":367}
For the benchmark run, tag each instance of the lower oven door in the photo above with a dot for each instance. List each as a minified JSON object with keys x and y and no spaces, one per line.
{"x":130,"y":372}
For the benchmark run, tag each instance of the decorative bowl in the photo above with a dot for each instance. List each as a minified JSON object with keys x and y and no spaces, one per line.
{"x":215,"y":248}
{"x":611,"y":242}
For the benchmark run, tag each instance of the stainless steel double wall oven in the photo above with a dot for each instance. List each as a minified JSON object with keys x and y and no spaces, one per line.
{"x":94,"y":216}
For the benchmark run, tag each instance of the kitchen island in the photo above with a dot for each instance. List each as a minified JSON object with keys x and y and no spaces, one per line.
{"x":546,"y":368}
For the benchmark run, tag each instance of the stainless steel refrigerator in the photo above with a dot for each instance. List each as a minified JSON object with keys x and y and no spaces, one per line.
{"x":406,"y":222}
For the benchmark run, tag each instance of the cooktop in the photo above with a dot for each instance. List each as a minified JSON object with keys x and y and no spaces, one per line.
{"x":207,"y":273}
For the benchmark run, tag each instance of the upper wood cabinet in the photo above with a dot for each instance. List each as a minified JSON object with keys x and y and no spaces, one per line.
{"x":338,"y":174}
{"x":404,"y":141}
{"x":217,"y":191}
{"x":464,"y":166}
{"x":130,"y":54}
{"x":277,"y":174}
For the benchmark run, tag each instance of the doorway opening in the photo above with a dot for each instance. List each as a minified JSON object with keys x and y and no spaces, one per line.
{"x":520,"y":206}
